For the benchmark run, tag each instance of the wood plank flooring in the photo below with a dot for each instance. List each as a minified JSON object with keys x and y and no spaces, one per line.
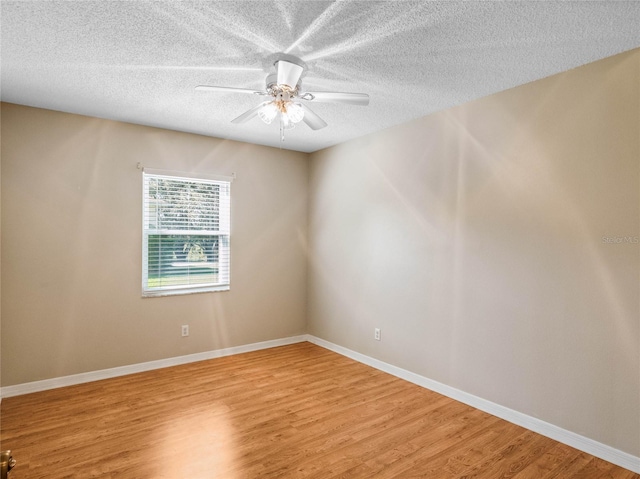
{"x":297,"y":411}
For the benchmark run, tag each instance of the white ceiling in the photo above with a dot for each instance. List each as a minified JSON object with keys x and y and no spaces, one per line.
{"x":139,"y":61}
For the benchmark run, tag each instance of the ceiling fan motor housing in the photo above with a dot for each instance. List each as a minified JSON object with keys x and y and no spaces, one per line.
{"x":275,"y":89}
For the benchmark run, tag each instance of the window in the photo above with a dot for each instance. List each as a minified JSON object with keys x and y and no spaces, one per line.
{"x":186,"y":228}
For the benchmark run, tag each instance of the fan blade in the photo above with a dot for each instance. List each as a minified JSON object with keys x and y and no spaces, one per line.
{"x":336,"y":97}
{"x":288,"y":73}
{"x":311,"y":119}
{"x":228,"y":89}
{"x":247,"y":115}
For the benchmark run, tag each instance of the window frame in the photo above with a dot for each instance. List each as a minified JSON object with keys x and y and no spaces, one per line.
{"x":223,"y":233}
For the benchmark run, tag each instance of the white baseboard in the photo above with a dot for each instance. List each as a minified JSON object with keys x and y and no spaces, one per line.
{"x":595,"y":448}
{"x":74,"y":379}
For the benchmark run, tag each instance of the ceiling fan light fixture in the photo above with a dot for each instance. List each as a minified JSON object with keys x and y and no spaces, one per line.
{"x":290,"y":113}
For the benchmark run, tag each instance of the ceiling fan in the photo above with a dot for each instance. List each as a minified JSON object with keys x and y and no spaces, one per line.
{"x":286,"y":100}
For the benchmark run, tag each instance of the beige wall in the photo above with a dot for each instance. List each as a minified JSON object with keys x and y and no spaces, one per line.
{"x":474,"y":239}
{"x":71,"y":246}
{"x":0,"y":252}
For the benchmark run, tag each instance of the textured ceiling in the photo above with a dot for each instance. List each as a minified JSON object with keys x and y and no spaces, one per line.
{"x":140,"y":61}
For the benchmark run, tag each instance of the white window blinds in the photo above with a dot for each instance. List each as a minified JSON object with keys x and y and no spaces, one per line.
{"x":186,"y":229}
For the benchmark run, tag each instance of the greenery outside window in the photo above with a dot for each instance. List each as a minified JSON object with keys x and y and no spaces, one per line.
{"x":186,"y":230}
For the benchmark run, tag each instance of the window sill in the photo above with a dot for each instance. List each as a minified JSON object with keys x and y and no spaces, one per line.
{"x":180,"y":291}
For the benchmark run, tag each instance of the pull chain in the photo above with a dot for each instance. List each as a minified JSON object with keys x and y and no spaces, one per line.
{"x":281,"y":132}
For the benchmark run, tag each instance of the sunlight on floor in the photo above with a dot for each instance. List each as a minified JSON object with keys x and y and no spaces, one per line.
{"x":197,"y":444}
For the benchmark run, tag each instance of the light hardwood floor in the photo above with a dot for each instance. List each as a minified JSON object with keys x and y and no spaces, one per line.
{"x":296,"y":411}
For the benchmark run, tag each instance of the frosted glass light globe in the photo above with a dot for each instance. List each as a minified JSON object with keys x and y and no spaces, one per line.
{"x":268,"y":113}
{"x":295,"y":112}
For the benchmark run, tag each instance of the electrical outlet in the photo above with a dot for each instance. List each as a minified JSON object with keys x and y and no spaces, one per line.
{"x":376,"y":334}
{"x":185,"y":330}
